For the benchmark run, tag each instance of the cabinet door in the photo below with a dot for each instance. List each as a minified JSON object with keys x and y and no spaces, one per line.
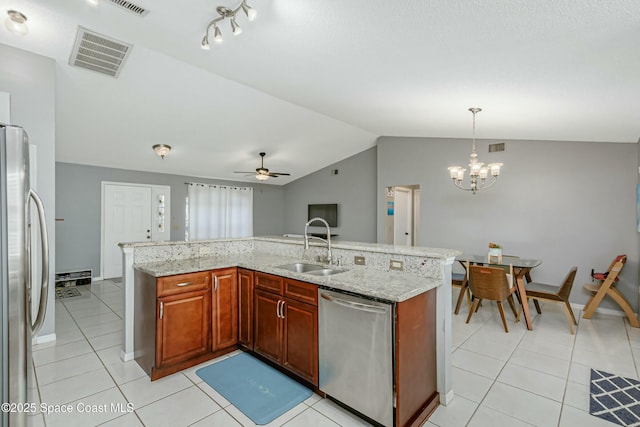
{"x":183,"y":327}
{"x":245,"y":308}
{"x":225,"y":308}
{"x":300,"y":339}
{"x":267,"y":329}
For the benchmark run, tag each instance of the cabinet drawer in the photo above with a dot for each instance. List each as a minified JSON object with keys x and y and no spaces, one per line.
{"x":301,"y":291}
{"x":269,"y":283}
{"x":172,"y":285}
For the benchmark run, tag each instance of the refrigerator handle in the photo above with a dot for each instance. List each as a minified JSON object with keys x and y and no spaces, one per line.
{"x":44,"y":289}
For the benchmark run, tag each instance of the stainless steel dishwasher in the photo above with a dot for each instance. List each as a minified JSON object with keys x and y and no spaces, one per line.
{"x":356,"y":353}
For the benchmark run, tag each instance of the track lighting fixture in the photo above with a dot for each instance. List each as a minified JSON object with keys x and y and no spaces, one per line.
{"x":226,"y":13}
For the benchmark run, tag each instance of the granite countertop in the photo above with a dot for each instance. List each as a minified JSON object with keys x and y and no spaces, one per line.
{"x":392,"y":286}
{"x":336,"y":244}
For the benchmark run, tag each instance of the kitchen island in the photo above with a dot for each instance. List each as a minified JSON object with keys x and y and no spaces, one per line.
{"x":416,"y":271}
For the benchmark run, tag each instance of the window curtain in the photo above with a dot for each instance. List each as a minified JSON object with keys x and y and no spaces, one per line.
{"x":216,"y":211}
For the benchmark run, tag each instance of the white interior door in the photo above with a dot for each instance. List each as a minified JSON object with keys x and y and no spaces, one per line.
{"x":403,"y":211}
{"x":126,"y":218}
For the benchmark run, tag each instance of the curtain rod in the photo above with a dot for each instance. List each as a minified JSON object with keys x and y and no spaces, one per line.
{"x":218,"y":185}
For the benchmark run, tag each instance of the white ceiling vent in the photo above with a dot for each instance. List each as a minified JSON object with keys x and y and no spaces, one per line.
{"x":99,"y":53}
{"x":133,"y":8}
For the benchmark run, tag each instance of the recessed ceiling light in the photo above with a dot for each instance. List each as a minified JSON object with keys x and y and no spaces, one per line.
{"x":16,"y":22}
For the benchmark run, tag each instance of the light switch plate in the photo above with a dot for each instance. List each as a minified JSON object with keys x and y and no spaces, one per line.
{"x":358,"y":260}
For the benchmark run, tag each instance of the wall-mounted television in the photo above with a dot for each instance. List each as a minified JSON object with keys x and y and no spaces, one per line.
{"x":328,"y":212}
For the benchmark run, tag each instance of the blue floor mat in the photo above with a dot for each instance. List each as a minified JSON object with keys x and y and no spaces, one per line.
{"x":615,"y":398}
{"x":259,"y":391}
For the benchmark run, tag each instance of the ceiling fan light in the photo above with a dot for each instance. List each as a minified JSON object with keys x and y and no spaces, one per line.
{"x":16,"y":22}
{"x":249,"y":11}
{"x":235,"y":27}
{"x":261,"y":177}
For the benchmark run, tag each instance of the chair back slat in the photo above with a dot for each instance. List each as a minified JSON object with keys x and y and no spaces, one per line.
{"x":488,"y":283}
{"x":567,"y":284}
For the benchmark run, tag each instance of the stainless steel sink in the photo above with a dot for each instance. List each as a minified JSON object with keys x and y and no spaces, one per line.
{"x":300,"y":267}
{"x":315,"y":269}
{"x":326,"y":272}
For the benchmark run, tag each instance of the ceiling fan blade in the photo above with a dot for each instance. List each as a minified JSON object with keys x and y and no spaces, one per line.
{"x":252,"y":173}
{"x":279,"y":174}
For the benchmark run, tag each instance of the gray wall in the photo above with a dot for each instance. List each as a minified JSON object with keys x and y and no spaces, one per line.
{"x":30,"y":79}
{"x":353,"y":189}
{"x":78,"y":191}
{"x":567,"y":203}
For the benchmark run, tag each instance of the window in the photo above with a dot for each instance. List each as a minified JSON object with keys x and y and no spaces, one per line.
{"x":215,"y":211}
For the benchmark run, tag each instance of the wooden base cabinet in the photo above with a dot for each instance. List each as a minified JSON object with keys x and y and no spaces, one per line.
{"x":183,"y":328}
{"x":286,"y":328}
{"x":184,"y":320}
{"x":245,"y":308}
{"x":224,"y":313}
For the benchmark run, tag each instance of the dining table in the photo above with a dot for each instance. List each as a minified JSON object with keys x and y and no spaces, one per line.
{"x":521,"y":270}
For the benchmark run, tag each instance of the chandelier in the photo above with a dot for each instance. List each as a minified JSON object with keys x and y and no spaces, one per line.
{"x":477,"y":170}
{"x":226,"y":13}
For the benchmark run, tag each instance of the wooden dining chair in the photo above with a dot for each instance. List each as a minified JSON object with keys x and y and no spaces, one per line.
{"x":461,"y":280}
{"x":606,"y":287}
{"x":553,"y":293}
{"x":491,"y":283}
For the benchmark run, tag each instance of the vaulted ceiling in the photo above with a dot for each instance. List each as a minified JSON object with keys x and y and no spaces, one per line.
{"x":312,"y":82}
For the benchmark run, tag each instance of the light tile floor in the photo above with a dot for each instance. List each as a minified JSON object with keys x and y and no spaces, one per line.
{"x":522,"y":378}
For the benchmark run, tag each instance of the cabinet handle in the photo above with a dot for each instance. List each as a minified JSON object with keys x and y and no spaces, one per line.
{"x":282,"y":309}
{"x":215,"y":283}
{"x":278,"y":309}
{"x":161,"y":309}
{"x":184,"y":284}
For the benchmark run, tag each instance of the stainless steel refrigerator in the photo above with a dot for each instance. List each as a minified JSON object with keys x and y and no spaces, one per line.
{"x":19,"y":324}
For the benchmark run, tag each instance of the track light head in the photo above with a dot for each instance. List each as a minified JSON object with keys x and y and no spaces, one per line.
{"x":217,"y":35}
{"x":205,"y":42}
{"x":249,"y":11}
{"x":235,"y":27}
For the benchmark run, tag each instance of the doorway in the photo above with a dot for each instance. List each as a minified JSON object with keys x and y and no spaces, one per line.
{"x":126,"y":217}
{"x":402,"y":224}
{"x":131,"y":213}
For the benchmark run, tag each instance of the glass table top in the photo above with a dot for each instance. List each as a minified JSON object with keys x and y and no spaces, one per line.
{"x":506,"y":260}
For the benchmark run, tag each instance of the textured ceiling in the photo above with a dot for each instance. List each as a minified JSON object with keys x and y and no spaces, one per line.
{"x":312,"y":82}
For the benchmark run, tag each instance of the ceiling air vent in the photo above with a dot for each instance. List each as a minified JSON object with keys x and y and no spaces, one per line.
{"x":496,"y":147}
{"x":99,"y":53}
{"x":133,"y":8}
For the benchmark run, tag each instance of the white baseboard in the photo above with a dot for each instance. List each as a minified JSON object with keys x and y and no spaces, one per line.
{"x":96,"y":279}
{"x":445,"y":399}
{"x":125,"y":357}
{"x":601,"y":310}
{"x":41,"y":339}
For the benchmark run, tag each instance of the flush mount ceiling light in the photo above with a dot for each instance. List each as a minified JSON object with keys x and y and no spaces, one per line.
{"x":162,"y":149}
{"x":476,"y":169}
{"x":16,"y":22}
{"x":226,"y":13}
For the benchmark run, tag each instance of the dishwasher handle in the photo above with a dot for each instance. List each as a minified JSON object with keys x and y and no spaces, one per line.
{"x":354,"y":305}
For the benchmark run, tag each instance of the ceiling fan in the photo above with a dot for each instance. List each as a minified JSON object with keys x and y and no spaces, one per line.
{"x":262,"y":173}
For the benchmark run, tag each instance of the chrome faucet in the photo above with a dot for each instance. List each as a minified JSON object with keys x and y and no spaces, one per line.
{"x":327,"y":240}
